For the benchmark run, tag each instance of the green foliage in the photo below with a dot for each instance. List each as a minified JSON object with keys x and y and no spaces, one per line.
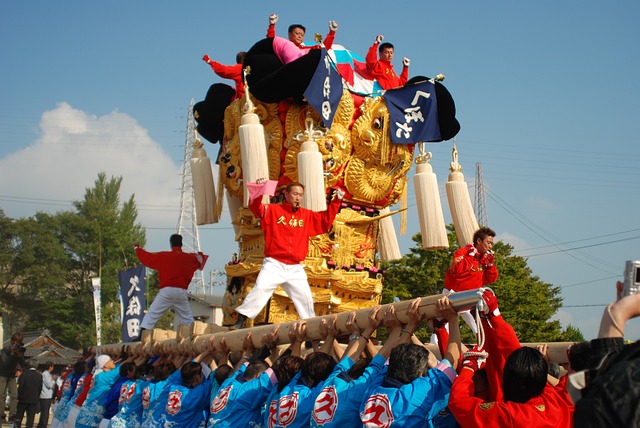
{"x":526,"y":302}
{"x":573,"y":334}
{"x":47,"y":263}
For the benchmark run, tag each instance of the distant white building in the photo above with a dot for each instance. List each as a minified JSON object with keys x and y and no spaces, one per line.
{"x":206,"y":308}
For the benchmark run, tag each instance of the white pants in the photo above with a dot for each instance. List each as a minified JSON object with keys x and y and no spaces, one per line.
{"x":71,"y":418}
{"x":167,"y":298}
{"x":466,"y":317}
{"x":293,"y":280}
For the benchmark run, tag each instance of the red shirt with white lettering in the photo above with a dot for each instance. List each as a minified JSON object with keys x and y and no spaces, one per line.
{"x":287,"y":232}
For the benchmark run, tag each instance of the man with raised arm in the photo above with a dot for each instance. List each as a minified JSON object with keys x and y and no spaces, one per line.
{"x":382,"y":69}
{"x":287,"y":228}
{"x":175,"y":271}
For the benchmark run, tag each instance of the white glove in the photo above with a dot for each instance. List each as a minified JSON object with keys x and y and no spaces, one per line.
{"x":406,"y":61}
{"x":333,"y":25}
{"x":379,"y":38}
{"x":273,"y":18}
{"x":339,"y":194}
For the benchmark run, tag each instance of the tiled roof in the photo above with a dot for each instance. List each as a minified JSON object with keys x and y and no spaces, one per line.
{"x":41,"y":347}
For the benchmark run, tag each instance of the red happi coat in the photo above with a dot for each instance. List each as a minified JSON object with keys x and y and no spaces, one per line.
{"x":286,"y":233}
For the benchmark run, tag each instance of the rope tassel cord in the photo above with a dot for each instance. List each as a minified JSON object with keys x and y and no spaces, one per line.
{"x":387,"y":239}
{"x":464,"y":219}
{"x":253,"y":148}
{"x":204,"y":191}
{"x":311,"y":171}
{"x":432,"y":227}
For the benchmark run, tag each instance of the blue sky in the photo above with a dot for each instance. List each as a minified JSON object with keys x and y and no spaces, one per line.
{"x":546,"y":94}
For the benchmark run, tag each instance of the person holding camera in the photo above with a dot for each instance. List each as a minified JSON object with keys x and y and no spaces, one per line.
{"x":606,"y":393}
{"x":11,"y":357}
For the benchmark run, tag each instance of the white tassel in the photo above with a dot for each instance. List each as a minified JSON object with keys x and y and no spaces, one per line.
{"x":253,"y":149}
{"x":204,"y":191}
{"x":310,"y":174}
{"x":432,"y":228}
{"x":387,"y":241}
{"x":464,"y":219}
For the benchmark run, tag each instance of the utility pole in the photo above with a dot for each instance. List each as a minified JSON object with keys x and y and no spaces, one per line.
{"x":480,"y":200}
{"x":187,"y":226}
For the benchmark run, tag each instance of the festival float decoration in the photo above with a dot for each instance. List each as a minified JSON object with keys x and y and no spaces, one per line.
{"x":316,"y":129}
{"x":204,"y":192}
{"x":299,"y":109}
{"x":425,"y":183}
{"x":464,"y":219}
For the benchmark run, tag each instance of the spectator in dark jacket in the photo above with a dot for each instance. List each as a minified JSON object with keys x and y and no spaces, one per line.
{"x":11,"y":357}
{"x":29,"y":387}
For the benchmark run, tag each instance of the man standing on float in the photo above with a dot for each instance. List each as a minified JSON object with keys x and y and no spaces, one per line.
{"x":471,"y":267}
{"x":175,"y":271}
{"x":287,"y":228}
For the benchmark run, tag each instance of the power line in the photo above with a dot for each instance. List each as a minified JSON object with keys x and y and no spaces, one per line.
{"x":585,"y":246}
{"x":581,"y":240}
{"x":589,"y":282}
{"x":521,"y":218}
{"x":585,"y":306}
{"x":69,"y":203}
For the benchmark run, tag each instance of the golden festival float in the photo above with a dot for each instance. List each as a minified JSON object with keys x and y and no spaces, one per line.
{"x":344,"y":140}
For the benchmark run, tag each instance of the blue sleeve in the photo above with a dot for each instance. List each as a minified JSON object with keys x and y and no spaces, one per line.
{"x":372,"y":376}
{"x":374,"y":371}
{"x":432,"y":390}
{"x":175,"y":377}
{"x":257,"y":389}
{"x":344,"y":365}
{"x":110,"y":377}
{"x":203,"y":391}
{"x":233,"y":376}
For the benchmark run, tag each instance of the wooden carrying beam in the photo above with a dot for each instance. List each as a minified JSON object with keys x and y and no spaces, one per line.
{"x":233,"y":339}
{"x":198,"y":337}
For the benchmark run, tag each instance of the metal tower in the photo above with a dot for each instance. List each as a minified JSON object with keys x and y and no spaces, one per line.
{"x":480,"y":200}
{"x":187,"y":226}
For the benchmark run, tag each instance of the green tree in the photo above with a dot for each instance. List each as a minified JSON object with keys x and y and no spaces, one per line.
{"x":104,"y":233}
{"x":526,"y":302}
{"x":32,"y":261}
{"x":47,"y":263}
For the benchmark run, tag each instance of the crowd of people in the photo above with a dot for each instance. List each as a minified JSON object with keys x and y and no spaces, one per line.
{"x":28,"y":390}
{"x":401,"y":383}
{"x":319,"y":384}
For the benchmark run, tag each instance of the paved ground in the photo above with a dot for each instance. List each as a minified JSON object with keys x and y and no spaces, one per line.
{"x":35,"y":423}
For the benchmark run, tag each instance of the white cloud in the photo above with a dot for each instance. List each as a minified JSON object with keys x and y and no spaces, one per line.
{"x":538,"y":202}
{"x":73,"y":147}
{"x":517,"y":242}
